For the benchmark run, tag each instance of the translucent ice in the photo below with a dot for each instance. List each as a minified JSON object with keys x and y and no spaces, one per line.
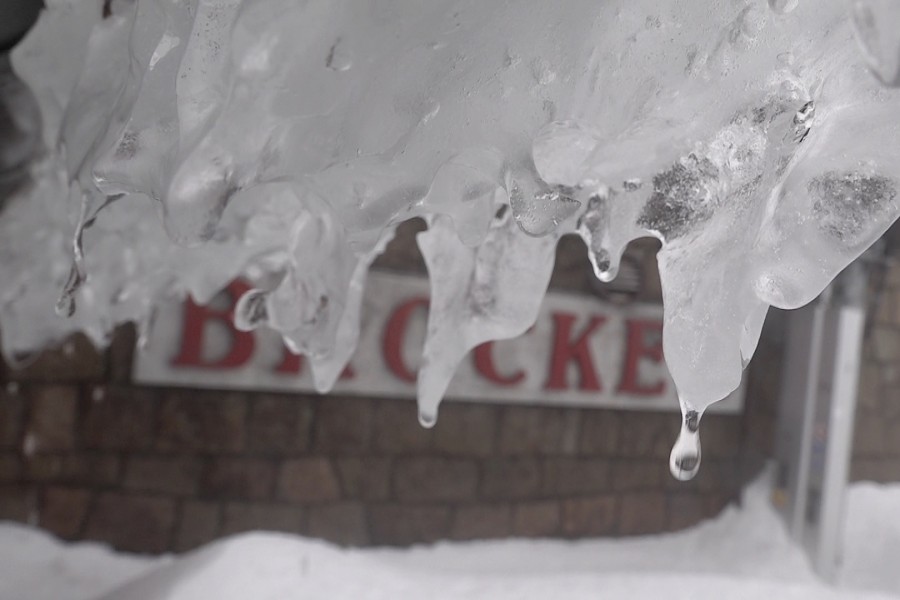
{"x":777,"y":169}
{"x":283,"y":141}
{"x":490,"y":292}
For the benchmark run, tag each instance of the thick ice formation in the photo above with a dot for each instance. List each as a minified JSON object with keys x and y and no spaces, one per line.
{"x":285,"y":140}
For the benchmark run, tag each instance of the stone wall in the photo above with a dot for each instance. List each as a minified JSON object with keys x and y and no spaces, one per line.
{"x":90,"y":456}
{"x":87,"y":454}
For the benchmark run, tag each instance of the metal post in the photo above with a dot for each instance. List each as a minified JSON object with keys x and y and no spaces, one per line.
{"x":815,"y":426}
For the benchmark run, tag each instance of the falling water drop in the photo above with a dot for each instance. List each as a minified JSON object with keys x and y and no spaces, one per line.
{"x":604,"y":268}
{"x":251,"y":311}
{"x":783,"y":7}
{"x":427,"y":419}
{"x":684,"y":462}
{"x":593,"y":227}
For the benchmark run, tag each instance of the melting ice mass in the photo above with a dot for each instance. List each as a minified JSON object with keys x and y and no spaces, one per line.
{"x":187,"y":142}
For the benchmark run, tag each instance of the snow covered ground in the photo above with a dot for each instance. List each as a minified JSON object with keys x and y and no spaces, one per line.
{"x":742,"y":554}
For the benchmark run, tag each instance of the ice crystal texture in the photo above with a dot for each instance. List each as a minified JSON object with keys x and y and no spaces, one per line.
{"x":191,"y":141}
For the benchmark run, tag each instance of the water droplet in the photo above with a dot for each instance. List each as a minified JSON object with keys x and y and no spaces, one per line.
{"x":604,"y":268}
{"x":251,"y":311}
{"x":875,"y":22}
{"x":783,"y":7}
{"x":684,"y":461}
{"x":593,"y":227}
{"x":427,"y":419}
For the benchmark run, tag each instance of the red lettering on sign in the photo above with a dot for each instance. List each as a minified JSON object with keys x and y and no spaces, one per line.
{"x":292,"y":364}
{"x":395,"y":333}
{"x":197,"y":317}
{"x":566,"y":350}
{"x":484,"y":364}
{"x":636,"y":348}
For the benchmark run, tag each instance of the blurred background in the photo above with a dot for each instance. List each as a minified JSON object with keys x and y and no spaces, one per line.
{"x":89,"y":453}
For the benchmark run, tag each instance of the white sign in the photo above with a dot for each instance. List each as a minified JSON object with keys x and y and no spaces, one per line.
{"x":580,"y":352}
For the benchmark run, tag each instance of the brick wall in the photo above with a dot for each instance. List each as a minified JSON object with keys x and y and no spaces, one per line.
{"x":876,"y":440}
{"x":167,"y":469}
{"x":87,"y":454}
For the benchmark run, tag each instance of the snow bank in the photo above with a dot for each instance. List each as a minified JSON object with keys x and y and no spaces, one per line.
{"x":872,"y":538}
{"x":36,"y":566}
{"x":744,"y":553}
{"x":276,"y":567}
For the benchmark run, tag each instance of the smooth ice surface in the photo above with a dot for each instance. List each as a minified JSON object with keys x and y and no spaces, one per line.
{"x":284,"y":141}
{"x":743,"y":553}
{"x":34,"y":565}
